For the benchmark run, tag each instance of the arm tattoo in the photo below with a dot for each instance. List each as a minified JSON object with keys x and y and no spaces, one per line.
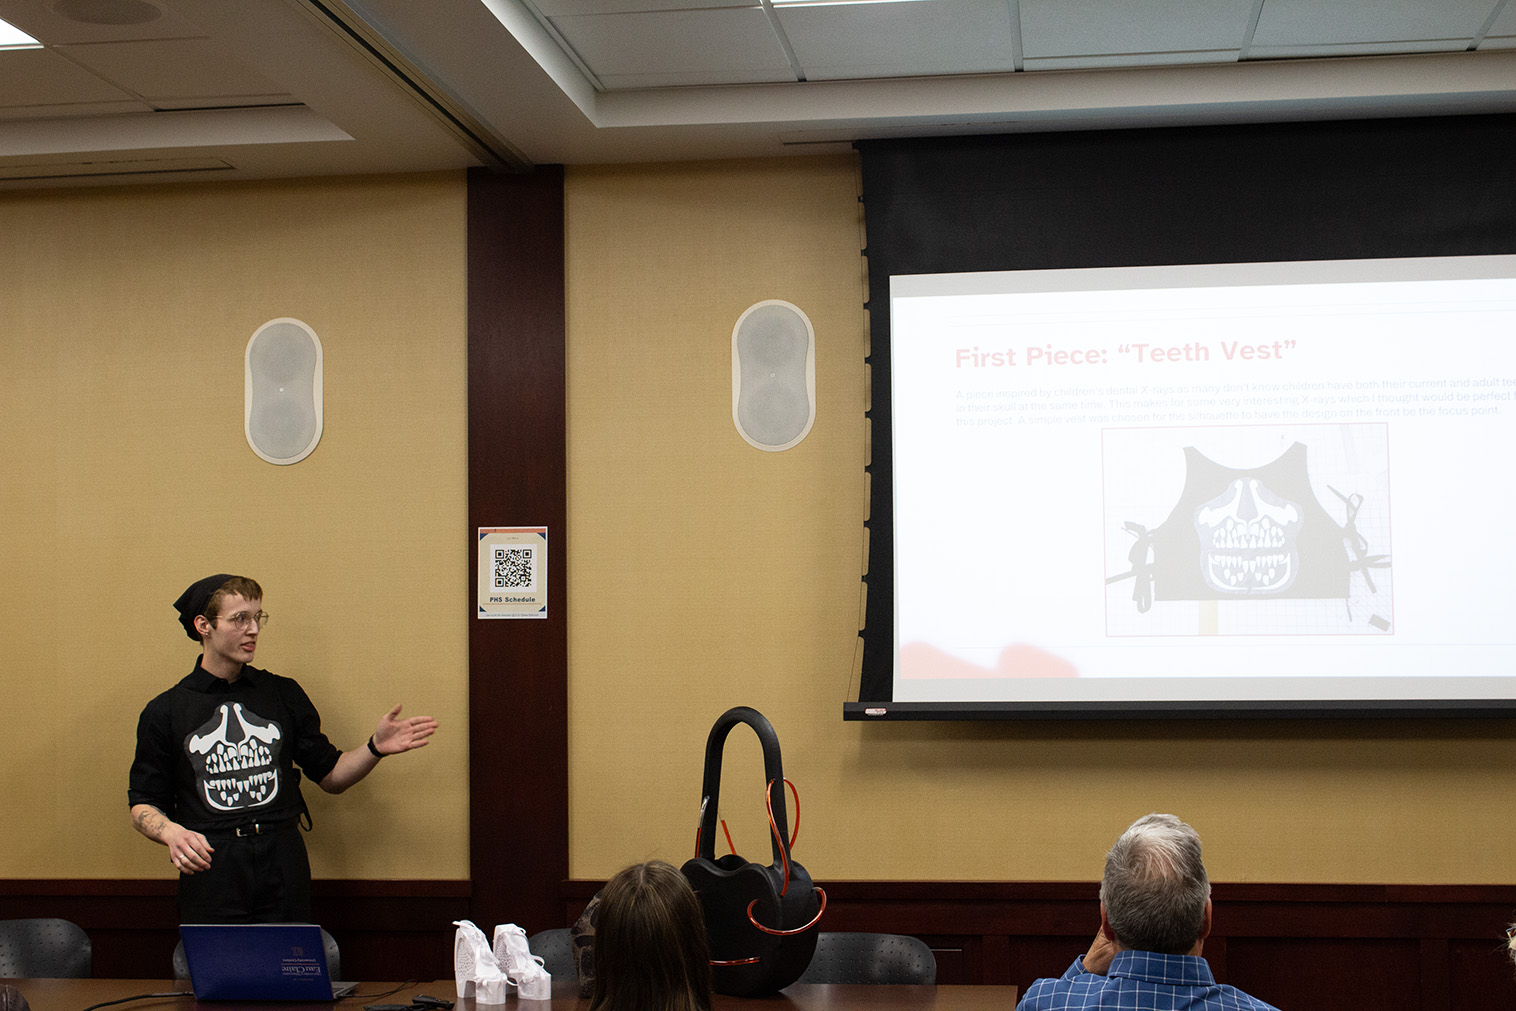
{"x":151,"y":822}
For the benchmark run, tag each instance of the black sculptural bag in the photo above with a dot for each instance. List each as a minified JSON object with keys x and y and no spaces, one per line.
{"x":760,"y":918}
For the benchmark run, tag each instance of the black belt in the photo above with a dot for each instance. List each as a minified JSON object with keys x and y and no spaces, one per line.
{"x":252,"y":828}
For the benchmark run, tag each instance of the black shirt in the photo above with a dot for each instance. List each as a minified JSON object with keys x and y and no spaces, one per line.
{"x":216,"y":754}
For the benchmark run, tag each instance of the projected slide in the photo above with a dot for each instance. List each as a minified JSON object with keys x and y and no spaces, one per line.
{"x":1229,"y":482}
{"x":1242,"y":522}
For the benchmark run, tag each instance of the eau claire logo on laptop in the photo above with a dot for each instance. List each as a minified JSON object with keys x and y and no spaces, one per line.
{"x":299,"y":965}
{"x":259,"y":961}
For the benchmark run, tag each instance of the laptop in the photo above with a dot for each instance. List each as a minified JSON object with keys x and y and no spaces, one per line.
{"x":259,"y":961}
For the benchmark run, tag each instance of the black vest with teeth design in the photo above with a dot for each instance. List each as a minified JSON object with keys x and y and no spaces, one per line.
{"x":1248,"y":534}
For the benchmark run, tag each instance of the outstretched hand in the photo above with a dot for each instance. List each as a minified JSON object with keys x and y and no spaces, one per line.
{"x":395,"y":735}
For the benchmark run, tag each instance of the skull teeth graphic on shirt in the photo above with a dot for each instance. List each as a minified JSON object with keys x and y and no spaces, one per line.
{"x":1248,"y":538}
{"x":235,"y":756}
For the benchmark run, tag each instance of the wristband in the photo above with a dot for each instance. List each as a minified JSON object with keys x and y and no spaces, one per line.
{"x":373,"y":750}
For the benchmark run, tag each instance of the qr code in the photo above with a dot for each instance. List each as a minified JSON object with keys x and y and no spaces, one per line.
{"x":514,"y":567}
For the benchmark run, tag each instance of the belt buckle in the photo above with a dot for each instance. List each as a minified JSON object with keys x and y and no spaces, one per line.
{"x":243,"y":831}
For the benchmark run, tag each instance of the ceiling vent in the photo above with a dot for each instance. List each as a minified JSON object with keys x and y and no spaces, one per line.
{"x":40,"y":171}
{"x":107,"y":12}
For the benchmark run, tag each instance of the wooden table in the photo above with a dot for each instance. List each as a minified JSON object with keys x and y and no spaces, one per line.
{"x":78,"y":994}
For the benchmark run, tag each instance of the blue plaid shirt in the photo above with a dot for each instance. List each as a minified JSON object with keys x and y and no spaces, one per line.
{"x":1139,"y":981}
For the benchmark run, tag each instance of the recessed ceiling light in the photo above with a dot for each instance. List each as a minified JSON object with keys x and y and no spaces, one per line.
{"x":12,"y":37}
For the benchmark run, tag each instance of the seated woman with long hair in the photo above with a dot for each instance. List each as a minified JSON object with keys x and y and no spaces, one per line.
{"x":650,"y":948}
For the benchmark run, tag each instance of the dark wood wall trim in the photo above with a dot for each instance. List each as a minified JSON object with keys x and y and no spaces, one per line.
{"x":1419,"y":947}
{"x":386,"y":929}
{"x":517,"y":476}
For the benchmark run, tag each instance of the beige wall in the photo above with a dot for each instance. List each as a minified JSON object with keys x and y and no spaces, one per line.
{"x":124,"y":315}
{"x":705,"y":573}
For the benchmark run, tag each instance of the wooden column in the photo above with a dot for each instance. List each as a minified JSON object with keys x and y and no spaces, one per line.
{"x":518,"y":669}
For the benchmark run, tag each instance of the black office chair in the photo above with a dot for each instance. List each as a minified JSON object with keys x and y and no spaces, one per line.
{"x":45,"y":948}
{"x":333,"y":958}
{"x":556,"y":949}
{"x":870,"y":958}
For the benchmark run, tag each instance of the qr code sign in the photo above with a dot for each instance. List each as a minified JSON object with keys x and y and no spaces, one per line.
{"x":514,"y":567}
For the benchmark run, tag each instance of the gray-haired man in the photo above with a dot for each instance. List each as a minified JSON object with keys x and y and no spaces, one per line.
{"x":1155,"y":914}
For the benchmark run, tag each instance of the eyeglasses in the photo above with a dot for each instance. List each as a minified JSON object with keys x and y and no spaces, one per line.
{"x":243,"y":620}
{"x":1510,"y":932}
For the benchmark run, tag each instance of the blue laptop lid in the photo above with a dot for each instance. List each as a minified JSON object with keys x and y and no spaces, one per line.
{"x":256,"y":961}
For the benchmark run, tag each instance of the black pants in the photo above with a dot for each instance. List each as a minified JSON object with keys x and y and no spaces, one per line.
{"x":252,"y":879}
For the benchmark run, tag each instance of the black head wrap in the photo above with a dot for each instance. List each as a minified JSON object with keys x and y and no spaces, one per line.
{"x":193,"y":600}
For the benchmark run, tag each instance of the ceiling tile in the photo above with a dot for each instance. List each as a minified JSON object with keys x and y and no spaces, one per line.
{"x":41,"y":77}
{"x":839,"y":41}
{"x":716,"y":46}
{"x":1314,"y":23}
{"x":1094,"y":27}
{"x":1505,"y":24}
{"x":173,"y":69}
{"x":37,"y":19}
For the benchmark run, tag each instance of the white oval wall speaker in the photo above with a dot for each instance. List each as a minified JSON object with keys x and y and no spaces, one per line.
{"x":282,"y":402}
{"x":773,"y":375}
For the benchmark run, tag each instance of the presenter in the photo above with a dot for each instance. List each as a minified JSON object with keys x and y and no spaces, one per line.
{"x":215,"y":779}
